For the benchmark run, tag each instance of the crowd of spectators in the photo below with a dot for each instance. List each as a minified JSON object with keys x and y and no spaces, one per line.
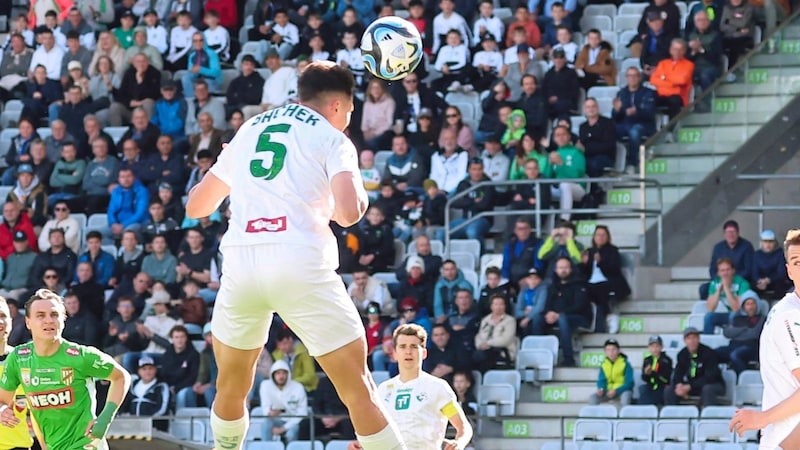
{"x":142,"y":286}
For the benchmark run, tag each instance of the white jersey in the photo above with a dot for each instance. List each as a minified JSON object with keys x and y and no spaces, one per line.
{"x":420,"y":408}
{"x":780,"y":354}
{"x":279,"y":167}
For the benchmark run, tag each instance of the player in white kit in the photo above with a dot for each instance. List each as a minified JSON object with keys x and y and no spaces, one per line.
{"x":779,"y":358}
{"x":289,"y":171}
{"x":421,"y":403}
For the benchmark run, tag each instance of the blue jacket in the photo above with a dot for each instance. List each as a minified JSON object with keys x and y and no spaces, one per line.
{"x":170,"y":117}
{"x":103,"y":266}
{"x":365,"y":9}
{"x":770,"y":265}
{"x":129,"y":206}
{"x":645,"y":101}
{"x":444,"y":294}
{"x":211,"y":68}
{"x":536,"y":298}
{"x":741,"y":255}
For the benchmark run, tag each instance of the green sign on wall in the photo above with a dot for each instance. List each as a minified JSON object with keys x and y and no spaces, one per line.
{"x":586,"y":227}
{"x":690,"y":135}
{"x":619,"y":197}
{"x":516,"y":429}
{"x":724,"y":105}
{"x":592,"y":359}
{"x":757,"y":76}
{"x":656,"y":166}
{"x":631,"y":325}
{"x":790,"y":46}
{"x":555,"y":394}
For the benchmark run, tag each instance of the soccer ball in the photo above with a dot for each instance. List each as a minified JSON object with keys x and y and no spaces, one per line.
{"x":391,"y":48}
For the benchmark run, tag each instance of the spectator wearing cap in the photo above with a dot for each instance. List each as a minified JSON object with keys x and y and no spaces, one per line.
{"x":769,"y":268}
{"x":169,"y":113}
{"x":724,"y":296}
{"x":281,"y":85}
{"x":567,"y":308}
{"x":596,"y":61}
{"x":601,"y":265}
{"x":366,"y":290}
{"x":655,"y":42}
{"x":744,"y":331}
{"x":140,"y":44}
{"x":374,"y":329}
{"x":203,"y":102}
{"x":155,"y":33}
{"x":63,"y":220}
{"x":672,"y":78}
{"x":531,"y":300}
{"x":496,"y":341}
{"x":124,"y":32}
{"x":734,"y":247}
{"x":203,"y":64}
{"x":245,"y":91}
{"x":127,"y":206}
{"x":180,"y":42}
{"x":656,"y":373}
{"x":696,"y":373}
{"x":487,"y":24}
{"x":180,"y":363}
{"x":418,"y":280}
{"x":58,"y":257}
{"x":495,"y":162}
{"x":634,"y":116}
{"x":139,"y":88}
{"x":75,"y":53}
{"x":560,"y":86}
{"x":495,"y":285}
{"x":30,"y":194}
{"x":80,"y":326}
{"x":18,"y":264}
{"x":148,"y":396}
{"x":142,"y":132}
{"x":75,"y":22}
{"x":615,"y":377}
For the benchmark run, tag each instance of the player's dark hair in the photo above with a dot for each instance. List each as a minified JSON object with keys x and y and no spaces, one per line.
{"x":283,"y":333}
{"x":460,"y":290}
{"x":322,"y":77}
{"x":45,"y":294}
{"x":410,"y":329}
{"x":55,"y":230}
{"x":94,"y":234}
{"x":493,"y":270}
{"x":792,"y":238}
{"x":727,"y":261}
{"x":50,"y":13}
{"x":730,"y":224}
{"x":125,"y":298}
{"x":465,"y":374}
{"x":449,"y":261}
{"x":178,"y":328}
{"x":440,"y":325}
{"x":73,"y":34}
{"x":212,"y":13}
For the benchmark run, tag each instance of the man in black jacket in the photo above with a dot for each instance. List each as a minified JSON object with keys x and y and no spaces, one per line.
{"x":410,"y":97}
{"x":80,"y":326}
{"x":560,"y":87}
{"x":58,"y":257}
{"x":432,"y":263}
{"x":598,"y":139}
{"x":705,"y":51}
{"x":533,"y":103}
{"x":567,"y":308}
{"x":140,"y":87}
{"x":334,"y":421}
{"x":490,"y":124}
{"x":655,"y":44}
{"x":245,"y":91}
{"x":744,"y":332}
{"x":656,"y":373}
{"x":520,"y":253}
{"x":474,"y":203}
{"x":444,"y":357}
{"x":696,"y":373}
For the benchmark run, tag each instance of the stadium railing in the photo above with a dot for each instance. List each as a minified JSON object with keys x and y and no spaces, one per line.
{"x":765,"y":206}
{"x":608,"y":212}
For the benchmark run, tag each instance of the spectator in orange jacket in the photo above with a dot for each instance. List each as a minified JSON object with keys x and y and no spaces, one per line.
{"x":673,"y":79}
{"x":524,"y":20}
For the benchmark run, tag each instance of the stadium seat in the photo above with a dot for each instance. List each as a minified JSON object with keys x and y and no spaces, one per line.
{"x":593,"y":430}
{"x":601,"y":23}
{"x":305,"y":445}
{"x":4,"y":190}
{"x":558,"y":445}
{"x":679,"y":412}
{"x":464,"y":260}
{"x":386,"y":277}
{"x":730,"y":386}
{"x":672,"y":430}
{"x":696,"y":320}
{"x":590,"y":328}
{"x":465,"y":245}
{"x":192,"y":424}
{"x":605,"y":106}
{"x":681,"y":446}
{"x":714,"y":340}
{"x":380,"y":160}
{"x":535,"y":364}
{"x":399,"y":252}
{"x":749,"y":389}
{"x":717,"y":412}
{"x":598,"y":411}
{"x":599,"y":92}
{"x":699,"y":307}
{"x":44,"y":132}
{"x":548,"y":342}
{"x":721,"y":446}
{"x":635,"y":9}
{"x":503,"y":13}
{"x":640,"y":446}
{"x":639,"y":411}
{"x":257,"y":428}
{"x":110,"y":249}
{"x":337,"y":445}
{"x":490,"y":260}
{"x":672,"y":342}
{"x":607,"y":10}
{"x":6,"y":137}
{"x":472,"y":277}
{"x":750,"y":377}
{"x":379,"y":376}
{"x":713,"y":430}
{"x":622,"y":51}
{"x":264,"y":445}
{"x":116,"y":133}
{"x":496,"y":400}
{"x":633,"y":430}
{"x":626,"y":23}
{"x":437,"y":248}
{"x":401,"y":13}
{"x":228,"y":75}
{"x":511,"y":377}
{"x":599,"y":446}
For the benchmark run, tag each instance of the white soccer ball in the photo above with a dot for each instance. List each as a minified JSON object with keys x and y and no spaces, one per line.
{"x":391,"y":48}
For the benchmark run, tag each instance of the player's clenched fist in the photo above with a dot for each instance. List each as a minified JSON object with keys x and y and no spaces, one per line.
{"x":7,"y":417}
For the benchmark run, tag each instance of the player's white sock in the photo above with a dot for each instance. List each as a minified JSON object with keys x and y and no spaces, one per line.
{"x":229,"y":433}
{"x":386,"y":439}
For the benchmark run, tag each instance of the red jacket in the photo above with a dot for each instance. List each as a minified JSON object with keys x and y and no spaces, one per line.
{"x":227,"y":12}
{"x":7,"y":235}
{"x":533,"y":35}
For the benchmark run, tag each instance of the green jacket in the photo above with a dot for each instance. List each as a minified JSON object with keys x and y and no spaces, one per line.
{"x":517,"y":172}
{"x":616,"y":375}
{"x":574,"y":164}
{"x":303,"y":369}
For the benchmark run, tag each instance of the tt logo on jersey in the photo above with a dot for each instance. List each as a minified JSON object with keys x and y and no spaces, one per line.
{"x":60,"y":398}
{"x":266,"y":225}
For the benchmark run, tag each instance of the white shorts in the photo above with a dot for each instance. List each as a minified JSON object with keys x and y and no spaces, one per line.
{"x":287,"y":279}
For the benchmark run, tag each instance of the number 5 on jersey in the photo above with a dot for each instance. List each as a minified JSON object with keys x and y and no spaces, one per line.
{"x":278,"y":150}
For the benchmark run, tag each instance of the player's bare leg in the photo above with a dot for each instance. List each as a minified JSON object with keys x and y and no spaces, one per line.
{"x":792,"y":441}
{"x":229,"y":418}
{"x":347,"y":369}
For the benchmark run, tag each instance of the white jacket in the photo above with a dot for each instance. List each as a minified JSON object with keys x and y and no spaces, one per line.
{"x":72,"y":232}
{"x":448,"y":172}
{"x":291,"y":398}
{"x":376,"y":291}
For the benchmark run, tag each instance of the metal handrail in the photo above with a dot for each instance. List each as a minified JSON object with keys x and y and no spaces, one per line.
{"x":538,"y":211}
{"x":762,"y":207}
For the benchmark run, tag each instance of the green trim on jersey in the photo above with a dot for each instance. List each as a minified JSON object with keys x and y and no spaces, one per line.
{"x":59,"y":388}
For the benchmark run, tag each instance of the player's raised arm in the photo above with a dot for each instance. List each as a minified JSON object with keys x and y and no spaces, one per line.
{"x":350,"y":198}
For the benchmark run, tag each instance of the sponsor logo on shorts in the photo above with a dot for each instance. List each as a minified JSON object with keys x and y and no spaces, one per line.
{"x":60,"y":398}
{"x":67,"y":375}
{"x":72,"y":351}
{"x":266,"y":225}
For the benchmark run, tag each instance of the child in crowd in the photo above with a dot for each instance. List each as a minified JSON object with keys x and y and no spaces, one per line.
{"x":370,"y":175}
{"x":564,"y":38}
{"x":216,"y":36}
{"x":350,"y":57}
